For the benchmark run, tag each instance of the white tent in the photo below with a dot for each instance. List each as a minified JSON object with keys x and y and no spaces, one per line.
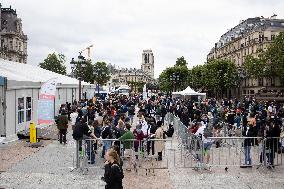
{"x":189,"y":92}
{"x":19,"y":91}
{"x":26,"y":72}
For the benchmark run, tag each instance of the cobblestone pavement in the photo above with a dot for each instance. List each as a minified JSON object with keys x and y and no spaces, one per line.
{"x":12,"y":153}
{"x":218,"y":177}
{"x":50,"y":167}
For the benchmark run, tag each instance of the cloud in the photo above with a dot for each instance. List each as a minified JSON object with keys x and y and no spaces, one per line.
{"x":121,"y":29}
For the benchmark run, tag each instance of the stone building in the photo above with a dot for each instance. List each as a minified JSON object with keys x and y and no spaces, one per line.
{"x":128,"y":76}
{"x":246,"y":39}
{"x":13,"y":40}
{"x":147,"y":65}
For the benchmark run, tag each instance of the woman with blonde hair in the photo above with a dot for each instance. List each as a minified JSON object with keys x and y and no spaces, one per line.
{"x":113,"y":173}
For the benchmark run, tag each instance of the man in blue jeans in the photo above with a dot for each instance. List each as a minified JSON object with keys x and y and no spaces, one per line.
{"x":248,"y":142}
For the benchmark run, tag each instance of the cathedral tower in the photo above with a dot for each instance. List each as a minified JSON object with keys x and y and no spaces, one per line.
{"x":148,"y":62}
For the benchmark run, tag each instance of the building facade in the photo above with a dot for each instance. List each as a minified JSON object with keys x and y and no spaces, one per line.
{"x":13,"y":40}
{"x":247,"y":38}
{"x":132,"y":76}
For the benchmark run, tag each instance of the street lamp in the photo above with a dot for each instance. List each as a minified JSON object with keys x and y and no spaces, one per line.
{"x":78,"y":66}
{"x":174,"y":78}
{"x":241,"y":76}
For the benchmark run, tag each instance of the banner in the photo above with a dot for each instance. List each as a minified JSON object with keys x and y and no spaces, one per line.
{"x":46,"y":102}
{"x":144,"y":92}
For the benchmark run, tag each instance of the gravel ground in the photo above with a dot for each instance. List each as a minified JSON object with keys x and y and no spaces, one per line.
{"x":50,"y":167}
{"x":13,"y":153}
{"x":217,"y":177}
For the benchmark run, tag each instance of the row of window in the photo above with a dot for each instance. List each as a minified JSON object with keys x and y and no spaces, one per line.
{"x":260,"y":82}
{"x":18,"y":45}
{"x":247,"y":41}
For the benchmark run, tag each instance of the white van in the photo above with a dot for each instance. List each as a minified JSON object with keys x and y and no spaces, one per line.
{"x":123,"y":90}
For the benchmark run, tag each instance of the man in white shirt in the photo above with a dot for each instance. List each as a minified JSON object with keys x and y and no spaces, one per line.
{"x":73,"y":117}
{"x":145,"y":126}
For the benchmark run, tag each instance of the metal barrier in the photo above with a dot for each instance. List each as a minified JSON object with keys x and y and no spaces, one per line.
{"x":139,"y":154}
{"x":225,"y":151}
{"x":190,"y":151}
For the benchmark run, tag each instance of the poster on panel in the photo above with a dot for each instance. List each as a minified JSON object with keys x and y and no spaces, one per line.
{"x":46,"y":102}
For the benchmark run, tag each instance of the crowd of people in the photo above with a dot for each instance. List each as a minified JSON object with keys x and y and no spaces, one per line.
{"x":112,"y":123}
{"x":124,"y":126}
{"x":231,"y":117}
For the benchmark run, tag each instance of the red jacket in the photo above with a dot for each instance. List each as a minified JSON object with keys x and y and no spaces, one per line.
{"x":138,"y":136}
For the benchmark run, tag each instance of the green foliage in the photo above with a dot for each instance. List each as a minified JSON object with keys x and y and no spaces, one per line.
{"x":167,"y":85}
{"x":250,"y":65}
{"x":101,"y":73}
{"x":197,"y":77}
{"x":215,"y":75}
{"x":86,"y":72}
{"x":181,"y":62}
{"x":54,"y":63}
{"x":275,"y":57}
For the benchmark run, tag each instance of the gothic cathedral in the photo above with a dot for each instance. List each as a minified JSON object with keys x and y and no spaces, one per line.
{"x":148,"y":63}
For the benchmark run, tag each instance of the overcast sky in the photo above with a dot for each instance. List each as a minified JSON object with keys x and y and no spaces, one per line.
{"x":121,"y":29}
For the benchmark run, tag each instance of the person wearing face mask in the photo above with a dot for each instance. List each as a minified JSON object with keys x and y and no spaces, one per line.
{"x":139,"y":136}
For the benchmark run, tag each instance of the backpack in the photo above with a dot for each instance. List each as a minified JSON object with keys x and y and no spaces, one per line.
{"x":207,"y":133}
{"x":106,"y":133}
{"x":78,"y":131}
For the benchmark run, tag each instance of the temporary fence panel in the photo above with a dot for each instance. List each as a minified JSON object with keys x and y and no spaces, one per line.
{"x":140,"y":155}
{"x":189,"y":152}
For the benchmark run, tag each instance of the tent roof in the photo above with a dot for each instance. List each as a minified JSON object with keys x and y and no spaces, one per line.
{"x":189,"y":92}
{"x":26,"y":72}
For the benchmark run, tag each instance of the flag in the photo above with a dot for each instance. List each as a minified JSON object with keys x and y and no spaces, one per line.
{"x":46,"y":102}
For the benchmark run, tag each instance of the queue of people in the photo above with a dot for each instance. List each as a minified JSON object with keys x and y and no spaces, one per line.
{"x":112,"y":123}
{"x":231,"y":117}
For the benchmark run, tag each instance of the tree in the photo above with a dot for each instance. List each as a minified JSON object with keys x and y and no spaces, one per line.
{"x":179,"y":84}
{"x":101,"y":73}
{"x":216,"y":75}
{"x":222,"y":75}
{"x":179,"y":69}
{"x":275,"y":57}
{"x":181,"y":62}
{"x":86,"y":73}
{"x":54,"y":63}
{"x":196,"y":77}
{"x":250,"y":65}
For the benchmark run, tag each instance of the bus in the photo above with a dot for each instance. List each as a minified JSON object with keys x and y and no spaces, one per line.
{"x":123,"y":90}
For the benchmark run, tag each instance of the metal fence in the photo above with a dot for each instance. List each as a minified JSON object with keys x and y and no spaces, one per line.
{"x":184,"y":150}
{"x":224,"y":151}
{"x":135,"y":154}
